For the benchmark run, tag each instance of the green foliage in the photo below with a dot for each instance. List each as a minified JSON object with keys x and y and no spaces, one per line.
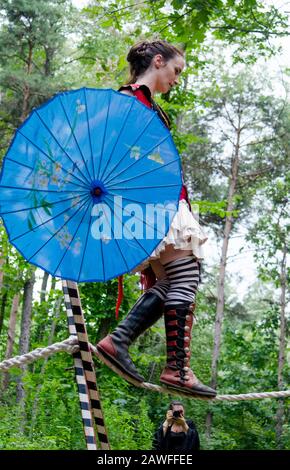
{"x":128,"y":429}
{"x":247,"y":24}
{"x":32,"y":35}
{"x":58,"y":416}
{"x":216,"y":208}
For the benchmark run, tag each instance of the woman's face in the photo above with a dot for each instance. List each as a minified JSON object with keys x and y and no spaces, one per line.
{"x":167,"y":73}
{"x":178,"y":408}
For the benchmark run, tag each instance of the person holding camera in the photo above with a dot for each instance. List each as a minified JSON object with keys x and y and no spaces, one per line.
{"x":176,"y":434}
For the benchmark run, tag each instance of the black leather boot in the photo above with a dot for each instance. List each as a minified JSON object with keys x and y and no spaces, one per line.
{"x":113,"y":349}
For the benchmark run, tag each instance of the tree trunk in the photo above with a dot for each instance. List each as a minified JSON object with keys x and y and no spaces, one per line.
{"x":26,"y":89}
{"x":282,"y":346}
{"x":104,"y":328}
{"x":4,"y":293}
{"x":208,"y":425}
{"x":53,"y":282}
{"x":49,"y":54}
{"x":2,"y":261}
{"x":40,"y":328}
{"x":3,"y":255}
{"x":44,"y":286}
{"x":11,"y":336}
{"x":24,"y":341}
{"x":2,"y":309}
{"x":222,"y":272}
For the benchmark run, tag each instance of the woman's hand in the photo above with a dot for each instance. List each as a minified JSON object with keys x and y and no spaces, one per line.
{"x":169,"y":417}
{"x":180,"y":421}
{"x":168,"y":421}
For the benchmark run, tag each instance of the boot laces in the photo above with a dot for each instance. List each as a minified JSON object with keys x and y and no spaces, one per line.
{"x":180,"y":357}
{"x":181,"y":363}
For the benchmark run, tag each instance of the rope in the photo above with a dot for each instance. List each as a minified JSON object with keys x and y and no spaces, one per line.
{"x":241,"y":397}
{"x":159,"y":389}
{"x":70,"y":345}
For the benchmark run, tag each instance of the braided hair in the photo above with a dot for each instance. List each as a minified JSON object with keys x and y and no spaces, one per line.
{"x":141,"y":54}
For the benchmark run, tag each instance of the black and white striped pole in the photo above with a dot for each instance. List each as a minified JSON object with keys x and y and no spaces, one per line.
{"x":84,"y":371}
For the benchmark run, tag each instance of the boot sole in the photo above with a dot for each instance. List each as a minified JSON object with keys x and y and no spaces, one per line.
{"x":197,"y":394}
{"x":117,"y":368}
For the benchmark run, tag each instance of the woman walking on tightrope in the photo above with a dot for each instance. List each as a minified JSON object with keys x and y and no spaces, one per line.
{"x":175,"y":264}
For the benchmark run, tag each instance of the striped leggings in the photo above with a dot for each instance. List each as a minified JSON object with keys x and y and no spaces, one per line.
{"x":181,"y":282}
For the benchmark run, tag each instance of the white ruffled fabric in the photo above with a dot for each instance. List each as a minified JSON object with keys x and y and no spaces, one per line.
{"x":185,"y":233}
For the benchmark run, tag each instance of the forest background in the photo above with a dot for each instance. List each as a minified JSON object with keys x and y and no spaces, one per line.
{"x":231,"y":124}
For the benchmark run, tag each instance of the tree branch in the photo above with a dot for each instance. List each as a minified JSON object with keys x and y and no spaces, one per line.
{"x":260,"y":172}
{"x":242,"y":30}
{"x":272,"y":139}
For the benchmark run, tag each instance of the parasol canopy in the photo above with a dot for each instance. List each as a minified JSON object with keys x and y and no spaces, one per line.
{"x":89,"y":184}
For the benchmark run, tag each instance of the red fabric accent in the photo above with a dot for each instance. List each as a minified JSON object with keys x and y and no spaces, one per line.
{"x":120,"y":295}
{"x":140,"y":95}
{"x":171,"y":313}
{"x":173,"y":333}
{"x":148,"y":278}
{"x":184,"y":195}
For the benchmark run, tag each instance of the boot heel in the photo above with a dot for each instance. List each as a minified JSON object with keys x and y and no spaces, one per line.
{"x":189,"y":393}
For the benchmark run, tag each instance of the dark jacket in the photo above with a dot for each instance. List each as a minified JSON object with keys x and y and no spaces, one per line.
{"x":188,"y":443}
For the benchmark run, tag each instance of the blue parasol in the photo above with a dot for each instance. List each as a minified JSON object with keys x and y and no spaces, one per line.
{"x":89,"y":185}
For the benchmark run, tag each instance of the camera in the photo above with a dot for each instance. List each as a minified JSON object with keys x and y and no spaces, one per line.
{"x":176,"y":414}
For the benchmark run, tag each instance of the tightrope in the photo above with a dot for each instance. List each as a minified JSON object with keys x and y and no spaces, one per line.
{"x":240,"y":397}
{"x":70,"y":345}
